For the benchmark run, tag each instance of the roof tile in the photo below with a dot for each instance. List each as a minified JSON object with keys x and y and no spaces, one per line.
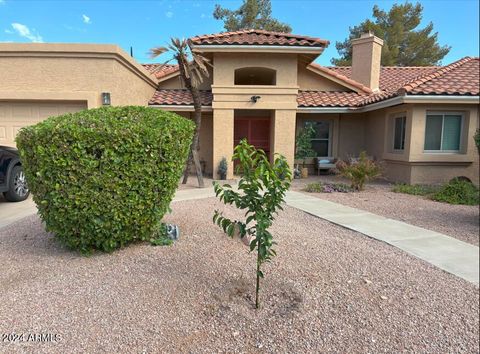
{"x":258,"y":37}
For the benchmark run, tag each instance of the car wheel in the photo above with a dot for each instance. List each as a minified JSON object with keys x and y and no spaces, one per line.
{"x":18,"y":188}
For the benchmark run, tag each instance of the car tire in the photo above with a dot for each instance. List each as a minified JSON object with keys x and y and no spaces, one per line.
{"x":18,"y":189}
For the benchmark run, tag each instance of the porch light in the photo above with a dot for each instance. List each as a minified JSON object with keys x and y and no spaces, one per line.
{"x":254,"y":99}
{"x":106,"y":99}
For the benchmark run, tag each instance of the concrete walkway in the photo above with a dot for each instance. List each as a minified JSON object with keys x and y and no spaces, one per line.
{"x":454,"y":256}
{"x":445,"y":252}
{"x":11,"y":212}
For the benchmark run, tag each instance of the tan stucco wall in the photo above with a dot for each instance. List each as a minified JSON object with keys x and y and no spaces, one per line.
{"x":80,"y":72}
{"x":222,"y":137}
{"x":413,"y":165}
{"x":224,"y":65}
{"x":308,"y":80}
{"x":175,"y":82}
{"x":366,"y":58}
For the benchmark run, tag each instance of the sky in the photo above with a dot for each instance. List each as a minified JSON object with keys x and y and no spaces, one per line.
{"x":146,"y":24}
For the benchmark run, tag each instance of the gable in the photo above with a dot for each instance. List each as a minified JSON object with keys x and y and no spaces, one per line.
{"x":308,"y":80}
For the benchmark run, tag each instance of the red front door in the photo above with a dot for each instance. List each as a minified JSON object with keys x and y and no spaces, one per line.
{"x":256,"y":130}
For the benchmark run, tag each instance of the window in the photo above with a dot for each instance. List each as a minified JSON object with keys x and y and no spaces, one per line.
{"x":255,"y":76}
{"x":399,"y":133}
{"x":443,"y":132}
{"x":321,"y":138}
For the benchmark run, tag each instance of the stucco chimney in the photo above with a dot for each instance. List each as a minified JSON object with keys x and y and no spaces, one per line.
{"x":366,"y":57}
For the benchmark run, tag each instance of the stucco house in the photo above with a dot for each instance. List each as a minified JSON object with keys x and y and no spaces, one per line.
{"x":265,"y":86}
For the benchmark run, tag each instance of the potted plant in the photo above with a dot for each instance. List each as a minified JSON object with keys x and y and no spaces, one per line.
{"x":223,"y":168}
{"x":303,"y":147}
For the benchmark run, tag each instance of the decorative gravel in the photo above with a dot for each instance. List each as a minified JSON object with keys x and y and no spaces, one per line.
{"x":329,"y":290}
{"x":459,"y":221}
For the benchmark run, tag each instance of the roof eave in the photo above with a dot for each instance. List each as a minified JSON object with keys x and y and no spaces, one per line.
{"x":258,"y":48}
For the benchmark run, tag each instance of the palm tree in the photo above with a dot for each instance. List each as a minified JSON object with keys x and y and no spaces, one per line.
{"x":193,"y":69}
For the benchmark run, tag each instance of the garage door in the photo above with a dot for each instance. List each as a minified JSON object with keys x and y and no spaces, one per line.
{"x":15,"y":115}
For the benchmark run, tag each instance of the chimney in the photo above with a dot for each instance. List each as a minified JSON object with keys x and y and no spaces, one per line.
{"x":366,"y":57}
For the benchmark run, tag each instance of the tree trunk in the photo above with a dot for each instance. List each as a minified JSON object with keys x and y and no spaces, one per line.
{"x":197,"y":105}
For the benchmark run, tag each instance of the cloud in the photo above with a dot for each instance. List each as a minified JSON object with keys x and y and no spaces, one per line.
{"x":24,"y":31}
{"x":9,"y":31}
{"x":86,"y":19}
{"x":169,"y":14}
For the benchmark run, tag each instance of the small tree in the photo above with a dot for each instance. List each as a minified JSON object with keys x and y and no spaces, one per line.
{"x":360,"y":172}
{"x":262,"y":190}
{"x":303,"y":143}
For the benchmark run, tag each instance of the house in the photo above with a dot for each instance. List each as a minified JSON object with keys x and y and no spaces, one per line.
{"x":265,"y":86}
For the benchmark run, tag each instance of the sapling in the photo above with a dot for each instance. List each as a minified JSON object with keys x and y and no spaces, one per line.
{"x":261,"y":191}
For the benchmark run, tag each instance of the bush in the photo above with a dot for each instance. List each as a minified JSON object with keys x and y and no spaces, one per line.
{"x":105,"y":177}
{"x":458,"y":192}
{"x":416,"y":189}
{"x":360,"y":172}
{"x":476,"y":137}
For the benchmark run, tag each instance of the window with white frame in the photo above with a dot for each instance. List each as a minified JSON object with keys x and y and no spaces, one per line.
{"x":399,"y":124}
{"x":443,"y":131}
{"x":321,"y":138}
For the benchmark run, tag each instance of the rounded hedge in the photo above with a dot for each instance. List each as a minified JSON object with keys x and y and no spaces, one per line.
{"x":102,"y":178}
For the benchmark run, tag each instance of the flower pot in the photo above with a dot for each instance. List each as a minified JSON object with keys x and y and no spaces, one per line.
{"x":304,"y":172}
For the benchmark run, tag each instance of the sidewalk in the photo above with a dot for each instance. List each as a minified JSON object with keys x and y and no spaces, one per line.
{"x":445,"y":252}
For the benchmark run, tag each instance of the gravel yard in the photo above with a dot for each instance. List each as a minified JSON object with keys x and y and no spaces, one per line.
{"x":459,"y":221}
{"x":329,"y":290}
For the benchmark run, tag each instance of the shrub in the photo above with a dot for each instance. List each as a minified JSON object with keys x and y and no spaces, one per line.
{"x":223,"y":168}
{"x":303,"y":143}
{"x":105,"y":177}
{"x":476,"y":137}
{"x":262,"y":190}
{"x":458,"y":192}
{"x":415,"y":189}
{"x":360,"y":172}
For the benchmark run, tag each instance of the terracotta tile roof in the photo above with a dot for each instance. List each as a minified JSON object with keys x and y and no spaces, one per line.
{"x":161,"y":70}
{"x":328,"y":99}
{"x":179,"y":97}
{"x":458,"y":78}
{"x":258,"y":37}
{"x":391,"y":77}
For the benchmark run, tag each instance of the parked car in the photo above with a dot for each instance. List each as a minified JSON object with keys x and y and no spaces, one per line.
{"x":13,"y":184}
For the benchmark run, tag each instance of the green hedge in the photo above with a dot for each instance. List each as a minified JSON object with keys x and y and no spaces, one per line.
{"x":102,"y":178}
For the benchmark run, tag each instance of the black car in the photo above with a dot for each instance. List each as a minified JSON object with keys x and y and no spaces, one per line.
{"x":13,"y":184}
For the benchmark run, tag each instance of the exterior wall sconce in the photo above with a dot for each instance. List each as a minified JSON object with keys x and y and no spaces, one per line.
{"x":106,"y":99}
{"x":254,"y":99}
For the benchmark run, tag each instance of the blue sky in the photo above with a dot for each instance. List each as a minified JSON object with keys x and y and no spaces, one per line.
{"x":144,"y":24}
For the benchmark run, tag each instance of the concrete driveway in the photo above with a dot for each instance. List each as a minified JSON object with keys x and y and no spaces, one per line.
{"x":11,"y":212}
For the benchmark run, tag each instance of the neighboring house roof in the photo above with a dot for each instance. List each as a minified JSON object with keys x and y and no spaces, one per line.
{"x":458,"y":78}
{"x":161,"y":70}
{"x":258,"y":37}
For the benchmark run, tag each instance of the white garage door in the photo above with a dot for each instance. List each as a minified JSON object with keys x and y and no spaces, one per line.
{"x":15,"y":115}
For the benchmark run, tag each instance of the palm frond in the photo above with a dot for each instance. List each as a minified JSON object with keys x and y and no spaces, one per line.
{"x":156,"y":51}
